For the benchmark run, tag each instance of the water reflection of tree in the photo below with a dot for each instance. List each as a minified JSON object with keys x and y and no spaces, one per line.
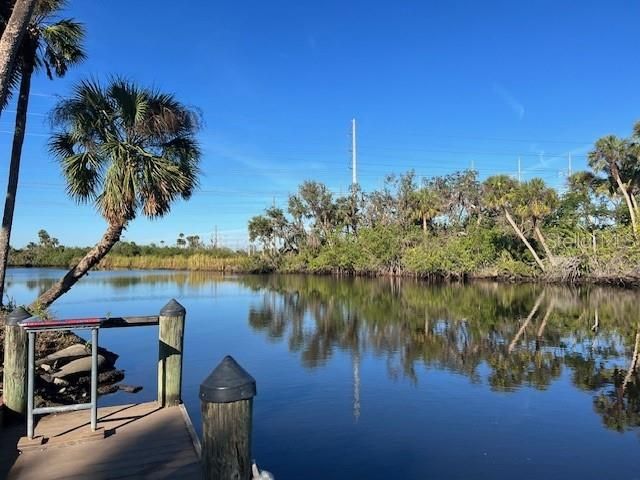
{"x":126,"y":279}
{"x":524,"y":334}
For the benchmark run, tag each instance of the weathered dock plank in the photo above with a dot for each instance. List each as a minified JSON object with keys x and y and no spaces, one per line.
{"x":139,"y":441}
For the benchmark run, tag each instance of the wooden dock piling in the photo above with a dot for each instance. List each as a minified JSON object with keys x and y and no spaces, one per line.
{"x":171,"y":338}
{"x":15,"y":363}
{"x":226,"y":398}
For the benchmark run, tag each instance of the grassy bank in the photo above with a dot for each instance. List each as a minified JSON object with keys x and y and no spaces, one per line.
{"x":608,"y":256}
{"x":196,"y":262}
{"x":128,"y":255}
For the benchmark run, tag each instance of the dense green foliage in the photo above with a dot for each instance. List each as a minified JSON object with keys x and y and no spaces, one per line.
{"x":456,"y":226}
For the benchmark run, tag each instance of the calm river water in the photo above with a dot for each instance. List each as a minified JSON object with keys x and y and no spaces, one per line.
{"x":385,"y":379}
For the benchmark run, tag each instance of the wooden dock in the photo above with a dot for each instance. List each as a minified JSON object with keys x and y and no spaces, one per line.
{"x":154,"y":440}
{"x":132,"y":441}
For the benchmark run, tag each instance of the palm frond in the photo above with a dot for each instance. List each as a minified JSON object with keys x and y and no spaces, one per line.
{"x":127,"y":148}
{"x":131,"y":102}
{"x":61,"y":47}
{"x":45,"y":8}
{"x":82,"y":169}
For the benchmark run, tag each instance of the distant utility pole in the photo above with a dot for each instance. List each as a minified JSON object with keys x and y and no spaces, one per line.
{"x":519,"y":170}
{"x":570,"y":169}
{"x":215,"y":241}
{"x":354,"y":176}
{"x":473,"y":165}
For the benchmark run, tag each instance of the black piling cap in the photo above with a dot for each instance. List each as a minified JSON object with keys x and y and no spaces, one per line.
{"x":18,"y":315}
{"x":228,"y":382}
{"x":172,"y":309}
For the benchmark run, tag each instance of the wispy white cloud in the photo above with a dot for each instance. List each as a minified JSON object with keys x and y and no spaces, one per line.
{"x":512,"y":102}
{"x":275,"y":175}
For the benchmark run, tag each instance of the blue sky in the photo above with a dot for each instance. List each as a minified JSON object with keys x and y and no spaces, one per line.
{"x":434,"y":86}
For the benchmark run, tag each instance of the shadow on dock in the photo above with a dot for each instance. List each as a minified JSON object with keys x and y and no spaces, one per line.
{"x":134,"y":441}
{"x":10,"y":433}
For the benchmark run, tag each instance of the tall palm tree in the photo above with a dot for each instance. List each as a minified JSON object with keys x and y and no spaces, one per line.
{"x":535,"y":202}
{"x":611,"y":155}
{"x":14,"y":26}
{"x":127,"y":149}
{"x":54,"y":45}
{"x":499,"y":194}
{"x":425,"y":206}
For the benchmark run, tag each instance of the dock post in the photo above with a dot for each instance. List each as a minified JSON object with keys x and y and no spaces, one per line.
{"x":171,"y":336}
{"x":15,"y":363}
{"x":226,"y":398}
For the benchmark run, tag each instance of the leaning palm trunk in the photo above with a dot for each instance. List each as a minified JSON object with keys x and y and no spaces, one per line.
{"x":627,"y":199}
{"x":634,"y":202}
{"x":14,"y":172}
{"x":541,"y":239}
{"x":524,"y":239}
{"x":90,"y":260}
{"x":10,"y":43}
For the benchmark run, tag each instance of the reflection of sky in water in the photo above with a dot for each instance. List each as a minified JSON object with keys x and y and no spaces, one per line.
{"x":379,"y":379}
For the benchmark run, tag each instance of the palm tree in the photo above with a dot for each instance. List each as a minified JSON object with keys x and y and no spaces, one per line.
{"x":611,"y":155}
{"x":537,"y":201}
{"x":13,"y":31}
{"x":54,"y":45}
{"x":128,"y":150}
{"x":425,"y":206}
{"x":499,"y":194}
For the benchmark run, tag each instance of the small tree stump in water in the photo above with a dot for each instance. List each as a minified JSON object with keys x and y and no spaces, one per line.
{"x":226,"y":398}
{"x":171,"y":336}
{"x":15,"y":363}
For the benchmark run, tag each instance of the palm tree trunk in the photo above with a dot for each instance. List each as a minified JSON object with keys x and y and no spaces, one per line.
{"x":627,"y":199}
{"x":14,"y":172}
{"x":524,"y":239}
{"x":10,"y":43}
{"x":634,"y":202}
{"x":540,"y":237}
{"x":90,"y":260}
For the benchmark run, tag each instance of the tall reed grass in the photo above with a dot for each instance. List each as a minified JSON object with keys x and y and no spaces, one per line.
{"x":196,"y":262}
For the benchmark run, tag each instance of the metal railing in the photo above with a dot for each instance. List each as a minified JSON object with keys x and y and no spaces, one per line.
{"x":169,"y":363}
{"x":33,"y":326}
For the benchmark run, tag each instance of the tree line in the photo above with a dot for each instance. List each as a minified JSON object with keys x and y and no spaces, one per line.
{"x":460,"y":225}
{"x":48,"y":252}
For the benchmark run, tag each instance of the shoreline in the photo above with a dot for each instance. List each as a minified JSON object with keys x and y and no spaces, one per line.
{"x":628,"y":281}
